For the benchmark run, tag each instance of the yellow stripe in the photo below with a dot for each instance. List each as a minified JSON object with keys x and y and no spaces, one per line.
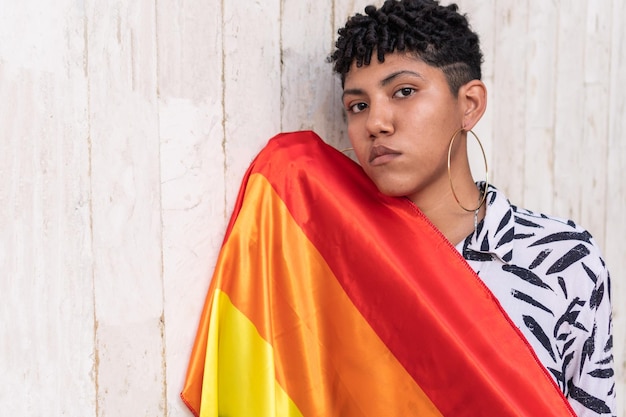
{"x":241,"y":380}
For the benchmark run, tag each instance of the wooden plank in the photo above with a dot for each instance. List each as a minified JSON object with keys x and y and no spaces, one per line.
{"x":569,"y":111}
{"x":252,"y":84}
{"x":128,"y":286}
{"x":540,"y":98}
{"x":42,"y":231}
{"x":192,"y":171}
{"x":595,"y":128}
{"x":309,"y":101}
{"x":509,"y":97}
{"x":615,"y":222}
{"x":46,"y":317}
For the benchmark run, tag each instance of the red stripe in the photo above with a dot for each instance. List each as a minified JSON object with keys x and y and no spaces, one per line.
{"x":413,"y":288}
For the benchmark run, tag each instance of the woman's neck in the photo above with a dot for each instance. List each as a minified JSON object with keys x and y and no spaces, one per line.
{"x":446,"y":214}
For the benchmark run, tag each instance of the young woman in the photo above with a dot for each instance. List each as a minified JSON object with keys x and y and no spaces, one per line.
{"x":412,"y":92}
{"x":400,"y":287}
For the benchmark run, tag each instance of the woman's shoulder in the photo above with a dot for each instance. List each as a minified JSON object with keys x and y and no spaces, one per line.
{"x":568,"y":242}
{"x":541,"y":241}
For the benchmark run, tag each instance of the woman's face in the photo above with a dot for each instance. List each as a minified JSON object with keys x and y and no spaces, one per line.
{"x":401,"y":116}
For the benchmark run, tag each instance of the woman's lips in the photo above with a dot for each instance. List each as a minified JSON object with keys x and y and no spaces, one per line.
{"x":381,"y":154}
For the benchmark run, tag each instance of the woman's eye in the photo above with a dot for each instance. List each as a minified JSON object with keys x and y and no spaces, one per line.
{"x":404,"y":92}
{"x":357,"y":108}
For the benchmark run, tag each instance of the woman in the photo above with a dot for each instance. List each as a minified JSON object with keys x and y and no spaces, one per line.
{"x":400,"y":286}
{"x":412,"y":92}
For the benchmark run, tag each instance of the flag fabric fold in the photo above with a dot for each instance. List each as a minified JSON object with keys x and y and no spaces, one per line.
{"x":331,"y":299}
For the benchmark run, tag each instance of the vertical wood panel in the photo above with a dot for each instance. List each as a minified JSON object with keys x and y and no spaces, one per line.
{"x":569,"y":110}
{"x":192,"y":171}
{"x":126,"y":209}
{"x":595,"y":123}
{"x":308,"y":97}
{"x":46,"y":314}
{"x":540,"y":95}
{"x":615,"y":227}
{"x":252,"y":80}
{"x":509,"y":93}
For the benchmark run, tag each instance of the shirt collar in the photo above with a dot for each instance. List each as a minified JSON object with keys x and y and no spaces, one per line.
{"x":495,"y":234}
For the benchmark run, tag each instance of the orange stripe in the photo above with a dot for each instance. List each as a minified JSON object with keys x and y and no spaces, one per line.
{"x":191,"y":393}
{"x":320,"y":366}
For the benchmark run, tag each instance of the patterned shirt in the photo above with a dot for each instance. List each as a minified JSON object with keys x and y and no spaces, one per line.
{"x":548,"y":275}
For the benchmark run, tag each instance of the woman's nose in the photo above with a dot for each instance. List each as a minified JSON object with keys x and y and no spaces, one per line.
{"x":379,"y":120}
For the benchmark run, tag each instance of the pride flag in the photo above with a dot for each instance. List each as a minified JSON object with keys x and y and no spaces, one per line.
{"x":331,"y":299}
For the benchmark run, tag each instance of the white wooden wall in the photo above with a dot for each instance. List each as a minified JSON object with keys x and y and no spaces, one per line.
{"x":125,"y":127}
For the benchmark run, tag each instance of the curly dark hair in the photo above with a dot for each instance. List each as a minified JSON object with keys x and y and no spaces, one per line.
{"x":438,"y":35}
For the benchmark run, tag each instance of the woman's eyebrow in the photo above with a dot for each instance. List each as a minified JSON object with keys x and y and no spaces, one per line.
{"x":391,"y":77}
{"x":384,"y":82}
{"x":353,"y":92}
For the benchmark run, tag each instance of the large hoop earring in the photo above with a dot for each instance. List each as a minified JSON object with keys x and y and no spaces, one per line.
{"x":484,"y":193}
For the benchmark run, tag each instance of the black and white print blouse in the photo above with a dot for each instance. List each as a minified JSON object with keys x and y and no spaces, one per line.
{"x":549,"y":276}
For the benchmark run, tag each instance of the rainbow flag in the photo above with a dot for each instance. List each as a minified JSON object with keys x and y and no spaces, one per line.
{"x":331,"y":299}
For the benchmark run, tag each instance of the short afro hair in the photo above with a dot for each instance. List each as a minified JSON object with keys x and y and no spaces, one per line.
{"x":438,"y":35}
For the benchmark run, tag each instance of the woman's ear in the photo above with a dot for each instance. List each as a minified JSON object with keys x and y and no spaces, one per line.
{"x":473,"y":99}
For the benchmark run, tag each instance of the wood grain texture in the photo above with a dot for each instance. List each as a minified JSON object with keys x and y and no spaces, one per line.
{"x":126,"y":127}
{"x":509,"y":96}
{"x":191,"y":129}
{"x":252,"y":84}
{"x":596,"y":119}
{"x":46,"y":313}
{"x":125,"y":183}
{"x":569,"y":110}
{"x":307,"y":99}
{"x":615,"y":226}
{"x":540,"y":92}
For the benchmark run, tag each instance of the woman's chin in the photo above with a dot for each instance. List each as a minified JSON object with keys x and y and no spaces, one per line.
{"x":392,"y":190}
